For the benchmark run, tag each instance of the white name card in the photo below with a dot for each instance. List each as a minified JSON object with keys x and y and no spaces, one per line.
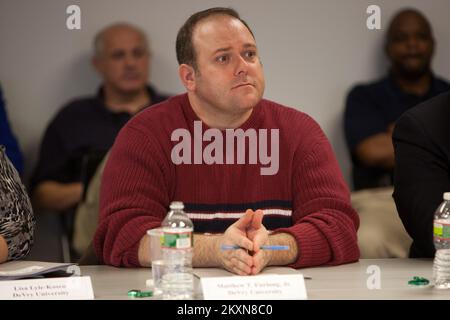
{"x":67,"y":288}
{"x":260,"y":287}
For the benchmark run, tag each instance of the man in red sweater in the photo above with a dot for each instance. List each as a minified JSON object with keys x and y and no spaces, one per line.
{"x":295,"y":197}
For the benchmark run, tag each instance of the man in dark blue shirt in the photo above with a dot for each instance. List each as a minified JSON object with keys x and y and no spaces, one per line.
{"x":372,"y":109}
{"x":89,"y":126}
{"x":8,"y":140}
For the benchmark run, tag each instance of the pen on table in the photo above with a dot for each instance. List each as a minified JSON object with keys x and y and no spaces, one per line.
{"x":235,"y":247}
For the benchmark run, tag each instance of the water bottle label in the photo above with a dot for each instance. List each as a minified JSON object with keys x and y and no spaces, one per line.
{"x":441,"y":230}
{"x":177,"y":240}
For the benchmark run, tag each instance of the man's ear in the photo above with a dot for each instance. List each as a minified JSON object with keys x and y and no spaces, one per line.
{"x":187,"y":76}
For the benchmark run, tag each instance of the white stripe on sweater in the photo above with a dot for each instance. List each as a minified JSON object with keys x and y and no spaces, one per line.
{"x":236,"y":215}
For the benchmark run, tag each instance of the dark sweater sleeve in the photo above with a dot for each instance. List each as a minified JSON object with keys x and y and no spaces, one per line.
{"x":133,"y":197}
{"x":420,"y":179}
{"x":325,"y":224}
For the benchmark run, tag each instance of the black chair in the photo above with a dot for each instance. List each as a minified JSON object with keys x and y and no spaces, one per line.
{"x":89,"y":257}
{"x":89,"y":164}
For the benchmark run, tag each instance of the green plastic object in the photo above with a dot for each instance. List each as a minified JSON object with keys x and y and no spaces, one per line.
{"x":418,"y":281}
{"x":139,"y":294}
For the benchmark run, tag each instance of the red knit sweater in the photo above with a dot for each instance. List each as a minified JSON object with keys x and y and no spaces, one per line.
{"x":307,"y":198}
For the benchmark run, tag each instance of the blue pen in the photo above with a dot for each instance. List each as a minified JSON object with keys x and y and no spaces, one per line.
{"x":235,"y":247}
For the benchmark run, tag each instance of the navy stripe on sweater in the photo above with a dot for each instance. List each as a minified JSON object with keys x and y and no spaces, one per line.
{"x":216,"y":218}
{"x":220,"y":225}
{"x":233,"y":207}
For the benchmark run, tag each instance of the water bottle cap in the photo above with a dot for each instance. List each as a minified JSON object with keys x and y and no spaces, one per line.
{"x":178,"y":205}
{"x":447,"y":196}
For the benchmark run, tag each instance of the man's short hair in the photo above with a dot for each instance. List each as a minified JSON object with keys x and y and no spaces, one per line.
{"x":99,"y":39}
{"x":401,"y":13}
{"x":184,"y":46}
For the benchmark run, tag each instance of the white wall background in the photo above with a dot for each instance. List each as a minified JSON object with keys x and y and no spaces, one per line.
{"x":313,"y":52}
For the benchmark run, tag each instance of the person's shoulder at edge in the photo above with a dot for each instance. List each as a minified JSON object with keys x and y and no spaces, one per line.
{"x":431,"y":110}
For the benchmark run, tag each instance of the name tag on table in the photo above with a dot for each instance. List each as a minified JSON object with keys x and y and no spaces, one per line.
{"x":67,"y":288}
{"x":261,"y":287}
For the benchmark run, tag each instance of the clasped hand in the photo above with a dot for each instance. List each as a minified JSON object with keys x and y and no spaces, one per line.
{"x":250,"y":234}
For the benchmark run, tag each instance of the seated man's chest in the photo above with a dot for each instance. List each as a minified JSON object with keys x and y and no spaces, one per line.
{"x":215,"y":196}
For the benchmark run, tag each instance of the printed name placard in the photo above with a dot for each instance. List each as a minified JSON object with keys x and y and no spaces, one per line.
{"x":67,"y":288}
{"x":262,"y":287}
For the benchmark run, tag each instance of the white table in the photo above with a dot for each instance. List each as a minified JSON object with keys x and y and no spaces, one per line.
{"x":340,"y":282}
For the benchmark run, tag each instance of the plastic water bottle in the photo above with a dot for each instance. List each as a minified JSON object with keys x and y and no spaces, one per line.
{"x":177,"y":248}
{"x":441,"y":236}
